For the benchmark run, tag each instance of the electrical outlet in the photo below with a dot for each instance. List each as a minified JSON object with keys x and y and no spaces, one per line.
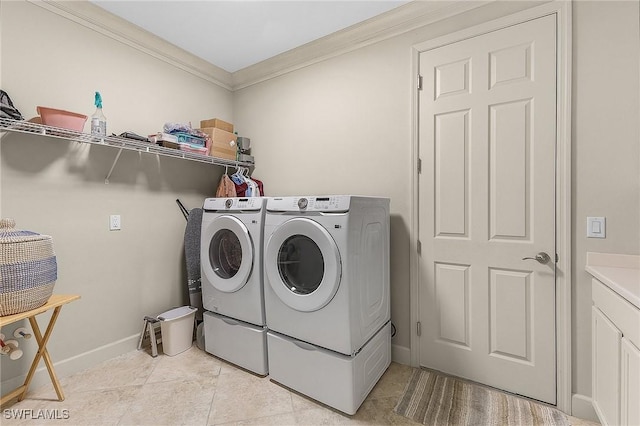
{"x":114,"y":222}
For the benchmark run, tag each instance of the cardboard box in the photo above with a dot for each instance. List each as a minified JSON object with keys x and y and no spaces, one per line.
{"x":217,"y":123}
{"x":223,"y":143}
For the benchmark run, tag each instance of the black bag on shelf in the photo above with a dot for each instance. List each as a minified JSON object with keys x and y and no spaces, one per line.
{"x":7,"y":110}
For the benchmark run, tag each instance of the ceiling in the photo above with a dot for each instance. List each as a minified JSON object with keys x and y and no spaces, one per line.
{"x":235,"y":34}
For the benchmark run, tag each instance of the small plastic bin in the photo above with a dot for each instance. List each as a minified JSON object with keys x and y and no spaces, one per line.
{"x":176,"y":326}
{"x":195,"y":149}
{"x":61,"y":118}
{"x":190,"y":139}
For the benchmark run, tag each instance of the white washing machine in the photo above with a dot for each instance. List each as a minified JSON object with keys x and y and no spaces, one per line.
{"x":326,"y":266}
{"x":232,"y":286}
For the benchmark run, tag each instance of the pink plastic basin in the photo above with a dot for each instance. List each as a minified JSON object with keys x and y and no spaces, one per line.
{"x":60,"y":118}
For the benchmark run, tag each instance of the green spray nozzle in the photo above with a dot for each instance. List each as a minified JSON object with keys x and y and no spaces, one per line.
{"x":98,"y":101}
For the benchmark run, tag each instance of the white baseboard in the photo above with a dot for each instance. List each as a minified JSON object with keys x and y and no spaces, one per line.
{"x":75,"y":364}
{"x":400,"y":354}
{"x":582,"y":408}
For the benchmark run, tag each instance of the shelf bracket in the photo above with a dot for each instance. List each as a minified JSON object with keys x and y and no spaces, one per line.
{"x":106,"y":180}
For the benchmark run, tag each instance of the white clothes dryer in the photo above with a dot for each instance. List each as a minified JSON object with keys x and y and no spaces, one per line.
{"x":231,"y":247}
{"x":326,"y":263}
{"x":327,"y":296}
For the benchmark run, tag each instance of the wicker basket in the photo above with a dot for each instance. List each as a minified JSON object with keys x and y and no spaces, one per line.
{"x":28,"y":269}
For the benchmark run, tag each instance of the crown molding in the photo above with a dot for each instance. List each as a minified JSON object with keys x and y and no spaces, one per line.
{"x":408,"y":17}
{"x":91,"y":16}
{"x":405,"y":18}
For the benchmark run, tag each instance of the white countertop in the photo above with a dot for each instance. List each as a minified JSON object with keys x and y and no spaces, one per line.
{"x":619,"y":272}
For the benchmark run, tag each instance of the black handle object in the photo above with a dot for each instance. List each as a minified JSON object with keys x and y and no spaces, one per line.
{"x":184,"y":211}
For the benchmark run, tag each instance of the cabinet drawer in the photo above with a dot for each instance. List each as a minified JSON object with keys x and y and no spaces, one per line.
{"x":622,"y":313}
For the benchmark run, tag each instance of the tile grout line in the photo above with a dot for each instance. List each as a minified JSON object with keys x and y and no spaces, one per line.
{"x":133,"y":402}
{"x":213,"y":397}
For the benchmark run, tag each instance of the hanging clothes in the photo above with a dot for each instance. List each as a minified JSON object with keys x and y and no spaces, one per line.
{"x":226,"y":187}
{"x":240,"y":185}
{"x":260,"y":186}
{"x":246,"y":186}
{"x":252,"y":188}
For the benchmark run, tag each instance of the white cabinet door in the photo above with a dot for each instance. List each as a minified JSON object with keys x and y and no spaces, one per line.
{"x":605,"y":368}
{"x":630,"y":383}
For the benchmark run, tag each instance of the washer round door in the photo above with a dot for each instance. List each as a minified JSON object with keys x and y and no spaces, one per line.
{"x":228,"y":262}
{"x":302,"y":263}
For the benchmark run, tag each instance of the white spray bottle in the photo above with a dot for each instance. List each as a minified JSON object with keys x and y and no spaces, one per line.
{"x":98,"y":120}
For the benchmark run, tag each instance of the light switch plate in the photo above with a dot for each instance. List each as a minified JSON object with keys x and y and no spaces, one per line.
{"x":596,"y":227}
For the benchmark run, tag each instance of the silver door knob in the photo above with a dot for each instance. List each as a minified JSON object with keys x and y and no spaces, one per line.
{"x":541,"y":257}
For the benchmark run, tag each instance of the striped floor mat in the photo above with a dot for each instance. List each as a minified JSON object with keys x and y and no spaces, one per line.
{"x":436,"y":399}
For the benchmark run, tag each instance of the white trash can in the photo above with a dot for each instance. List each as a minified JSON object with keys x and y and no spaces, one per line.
{"x":176,"y":326}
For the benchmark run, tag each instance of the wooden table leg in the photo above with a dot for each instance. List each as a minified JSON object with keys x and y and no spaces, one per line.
{"x":8,"y":397}
{"x":43,"y":353}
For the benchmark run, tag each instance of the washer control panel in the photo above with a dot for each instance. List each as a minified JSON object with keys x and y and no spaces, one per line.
{"x":330,"y":203}
{"x":228,"y":204}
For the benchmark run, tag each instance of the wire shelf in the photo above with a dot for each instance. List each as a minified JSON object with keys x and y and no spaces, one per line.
{"x":26,"y":127}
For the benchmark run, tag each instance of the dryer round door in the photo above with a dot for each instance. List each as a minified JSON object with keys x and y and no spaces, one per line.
{"x":228,"y":262}
{"x":302,"y":263}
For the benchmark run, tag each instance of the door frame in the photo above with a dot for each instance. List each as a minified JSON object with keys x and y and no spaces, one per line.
{"x":562,"y":10}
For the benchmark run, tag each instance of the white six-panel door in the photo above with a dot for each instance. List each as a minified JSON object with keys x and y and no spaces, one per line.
{"x":487,"y":137}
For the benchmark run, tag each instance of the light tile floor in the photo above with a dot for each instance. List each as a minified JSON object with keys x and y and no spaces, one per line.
{"x":195,"y":388}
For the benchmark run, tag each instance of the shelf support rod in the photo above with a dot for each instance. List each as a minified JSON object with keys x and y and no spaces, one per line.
{"x":106,"y":180}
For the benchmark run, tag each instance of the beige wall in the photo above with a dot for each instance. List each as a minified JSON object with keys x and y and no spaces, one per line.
{"x":57,"y":187}
{"x":606,"y":150}
{"x":340,"y":126}
{"x":344,"y":126}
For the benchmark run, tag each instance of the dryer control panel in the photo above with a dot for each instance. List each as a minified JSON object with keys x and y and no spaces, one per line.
{"x":329,"y":203}
{"x":232,"y":204}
